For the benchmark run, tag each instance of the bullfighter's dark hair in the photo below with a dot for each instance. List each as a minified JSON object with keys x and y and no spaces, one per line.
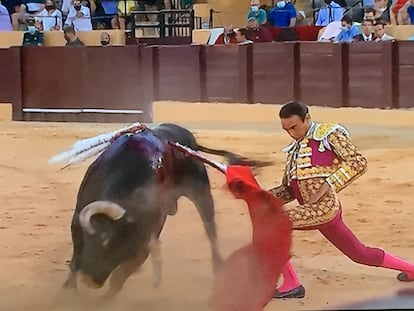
{"x":293,"y":108}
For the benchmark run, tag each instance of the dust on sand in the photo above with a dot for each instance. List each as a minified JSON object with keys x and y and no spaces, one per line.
{"x":37,"y":202}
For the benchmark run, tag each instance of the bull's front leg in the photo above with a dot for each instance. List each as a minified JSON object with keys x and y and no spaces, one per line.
{"x":75,"y":261}
{"x":122,"y":273}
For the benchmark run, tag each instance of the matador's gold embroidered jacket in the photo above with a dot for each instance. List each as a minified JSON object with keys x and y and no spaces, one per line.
{"x":325,"y":155}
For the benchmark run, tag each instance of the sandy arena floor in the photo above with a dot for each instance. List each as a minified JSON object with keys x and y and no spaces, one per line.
{"x":37,"y":201}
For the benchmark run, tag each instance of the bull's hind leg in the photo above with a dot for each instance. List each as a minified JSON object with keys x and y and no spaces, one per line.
{"x":200,"y":195}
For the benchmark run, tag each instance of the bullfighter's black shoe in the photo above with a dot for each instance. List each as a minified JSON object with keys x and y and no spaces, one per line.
{"x":298,"y":292}
{"x":404,"y":277}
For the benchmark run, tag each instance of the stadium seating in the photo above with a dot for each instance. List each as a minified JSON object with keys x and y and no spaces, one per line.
{"x":55,"y":38}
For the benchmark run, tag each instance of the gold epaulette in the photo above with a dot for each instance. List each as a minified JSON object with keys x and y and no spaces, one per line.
{"x":323,"y":130}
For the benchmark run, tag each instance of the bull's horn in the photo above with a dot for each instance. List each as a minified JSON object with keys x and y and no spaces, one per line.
{"x":155,"y":251}
{"x":110,"y":209}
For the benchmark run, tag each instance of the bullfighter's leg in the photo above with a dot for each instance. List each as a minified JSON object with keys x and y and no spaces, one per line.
{"x":201,"y":196}
{"x":122,"y":273}
{"x":75,"y":261}
{"x":345,"y":240}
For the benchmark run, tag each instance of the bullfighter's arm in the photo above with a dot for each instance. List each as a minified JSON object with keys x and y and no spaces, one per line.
{"x":352,"y":163}
{"x":283,"y":192}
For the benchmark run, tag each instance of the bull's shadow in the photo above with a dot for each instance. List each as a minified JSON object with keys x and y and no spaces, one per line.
{"x":124,"y":200}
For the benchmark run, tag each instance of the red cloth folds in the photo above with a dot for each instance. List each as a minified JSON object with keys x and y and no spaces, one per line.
{"x":247,"y":279}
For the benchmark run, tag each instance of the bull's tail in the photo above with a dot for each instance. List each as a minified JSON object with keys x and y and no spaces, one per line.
{"x":235,"y":159}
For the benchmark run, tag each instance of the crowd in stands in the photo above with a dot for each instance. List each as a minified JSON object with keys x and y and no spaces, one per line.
{"x":35,"y":17}
{"x":338,"y":21}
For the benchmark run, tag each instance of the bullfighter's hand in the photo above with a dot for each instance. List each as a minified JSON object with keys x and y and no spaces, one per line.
{"x":319,"y":194}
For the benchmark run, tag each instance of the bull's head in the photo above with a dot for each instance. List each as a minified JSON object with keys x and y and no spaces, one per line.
{"x":109,"y":240}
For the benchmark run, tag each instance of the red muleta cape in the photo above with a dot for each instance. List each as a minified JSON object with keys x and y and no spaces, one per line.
{"x":247,"y":279}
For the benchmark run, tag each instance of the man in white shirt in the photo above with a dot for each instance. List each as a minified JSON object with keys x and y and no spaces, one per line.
{"x":380,"y":32}
{"x":50,"y":17}
{"x":79,"y":16}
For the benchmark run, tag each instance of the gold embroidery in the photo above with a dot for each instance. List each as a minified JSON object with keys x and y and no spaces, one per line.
{"x":315,"y":171}
{"x":309,"y":215}
{"x":352,"y":165}
{"x":323,"y":130}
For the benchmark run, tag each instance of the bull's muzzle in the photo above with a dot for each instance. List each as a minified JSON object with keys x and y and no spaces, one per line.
{"x":88,"y":282}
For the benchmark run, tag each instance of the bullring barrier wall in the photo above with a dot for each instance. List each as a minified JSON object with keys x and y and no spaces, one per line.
{"x":119,"y":84}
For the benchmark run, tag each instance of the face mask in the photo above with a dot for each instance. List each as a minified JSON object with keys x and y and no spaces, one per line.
{"x":345,"y":28}
{"x":382,"y":10}
{"x":255,"y":8}
{"x":77,"y":7}
{"x":31,"y":29}
{"x":104,"y":42}
{"x":281,"y":4}
{"x":50,"y":7}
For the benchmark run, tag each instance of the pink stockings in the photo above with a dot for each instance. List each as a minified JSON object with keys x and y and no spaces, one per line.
{"x":343,"y":239}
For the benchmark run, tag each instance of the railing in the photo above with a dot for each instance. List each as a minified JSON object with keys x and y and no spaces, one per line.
{"x":166,"y":23}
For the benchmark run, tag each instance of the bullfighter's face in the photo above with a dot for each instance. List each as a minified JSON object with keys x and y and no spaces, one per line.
{"x":295,"y":126}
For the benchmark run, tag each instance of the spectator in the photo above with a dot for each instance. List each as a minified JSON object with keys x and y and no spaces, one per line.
{"x":283,"y":14}
{"x":383,"y":12}
{"x":330,"y":12}
{"x":369,"y":13}
{"x":50,"y":18}
{"x":105,"y":14}
{"x":379,"y":30}
{"x":27,"y":8}
{"x":71,"y":37}
{"x":124,"y":13}
{"x":150,"y":5}
{"x":395,"y":8}
{"x":32,"y":37}
{"x":241,"y":37}
{"x":255,"y":11}
{"x":367,"y":31}
{"x":5,"y":24}
{"x":105,"y":39}
{"x":79,"y":16}
{"x":406,"y":13}
{"x":348,"y":31}
{"x":228,"y":36}
{"x":257,"y":33}
{"x":13,"y":6}
{"x":330,"y":32}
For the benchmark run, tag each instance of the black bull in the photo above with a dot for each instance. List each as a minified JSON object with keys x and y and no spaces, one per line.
{"x":124,"y":199}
